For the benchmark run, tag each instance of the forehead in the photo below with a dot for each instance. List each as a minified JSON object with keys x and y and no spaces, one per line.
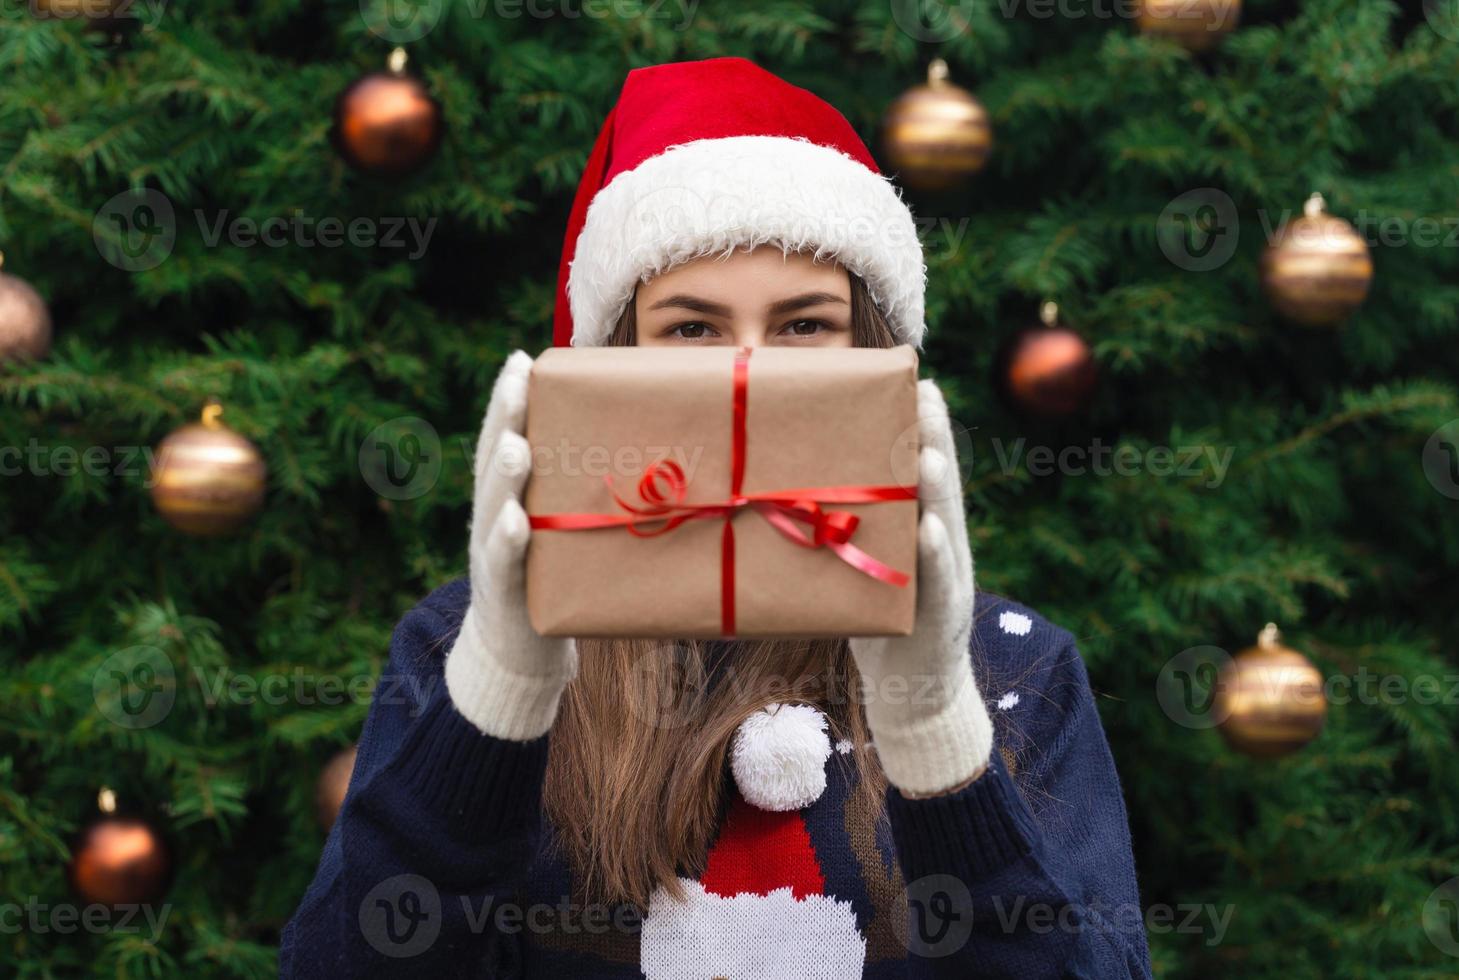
{"x":748,"y":275}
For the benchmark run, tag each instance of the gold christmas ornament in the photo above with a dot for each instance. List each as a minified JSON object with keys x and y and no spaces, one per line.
{"x":25,"y":322}
{"x":1317,"y":269}
{"x":935,"y":136}
{"x":1195,"y":25}
{"x":387,"y":123}
{"x":209,"y":479}
{"x":334,"y":781}
{"x":1270,"y":698}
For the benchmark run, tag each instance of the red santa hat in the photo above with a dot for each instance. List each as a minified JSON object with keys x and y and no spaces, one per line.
{"x":705,"y":157}
{"x":761,"y":908}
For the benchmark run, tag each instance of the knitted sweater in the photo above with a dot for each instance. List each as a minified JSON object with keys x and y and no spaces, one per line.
{"x":440,"y":865}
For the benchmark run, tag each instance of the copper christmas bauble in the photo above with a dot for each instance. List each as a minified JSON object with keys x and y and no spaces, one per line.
{"x":1317,"y":269}
{"x":334,"y":781}
{"x":386,"y":123}
{"x":1270,"y":698}
{"x":1048,"y":370}
{"x":208,"y":480}
{"x":1195,"y":25}
{"x":25,"y":322}
{"x":934,"y":136}
{"x":118,"y":860}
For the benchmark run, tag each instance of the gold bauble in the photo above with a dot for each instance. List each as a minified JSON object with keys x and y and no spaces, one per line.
{"x":25,"y":322}
{"x":1317,"y":269}
{"x":934,"y":136}
{"x":209,"y":479}
{"x":1270,"y":699}
{"x":1195,"y":25}
{"x":334,"y":782}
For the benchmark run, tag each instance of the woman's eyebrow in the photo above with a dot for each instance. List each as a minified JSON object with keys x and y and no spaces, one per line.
{"x":684,"y":301}
{"x":802,"y":301}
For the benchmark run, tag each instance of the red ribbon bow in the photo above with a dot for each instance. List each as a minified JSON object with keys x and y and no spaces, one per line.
{"x":663,"y":488}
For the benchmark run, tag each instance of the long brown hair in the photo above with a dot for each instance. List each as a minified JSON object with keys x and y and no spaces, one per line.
{"x":636,"y":774}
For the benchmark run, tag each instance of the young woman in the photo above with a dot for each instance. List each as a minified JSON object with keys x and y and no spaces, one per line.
{"x":940,"y":804}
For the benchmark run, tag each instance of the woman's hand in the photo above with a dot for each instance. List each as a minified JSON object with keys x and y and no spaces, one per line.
{"x":504,"y":678}
{"x":928,"y":721}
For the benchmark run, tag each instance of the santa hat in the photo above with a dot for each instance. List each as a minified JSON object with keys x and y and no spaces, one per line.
{"x":761,"y":909}
{"x":704,"y":157}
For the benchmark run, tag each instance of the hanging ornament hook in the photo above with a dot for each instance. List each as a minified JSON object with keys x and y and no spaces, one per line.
{"x":106,"y":800}
{"x":1315,"y":206}
{"x":1049,"y":313}
{"x":1269,"y":637}
{"x":396,"y":61}
{"x":213,"y":414}
{"x":936,"y":72}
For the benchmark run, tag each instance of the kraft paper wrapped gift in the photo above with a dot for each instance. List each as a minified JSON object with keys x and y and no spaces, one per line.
{"x":639,"y":531}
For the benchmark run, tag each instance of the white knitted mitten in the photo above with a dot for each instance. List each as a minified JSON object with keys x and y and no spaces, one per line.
{"x":928,"y":721}
{"x":504,"y":678}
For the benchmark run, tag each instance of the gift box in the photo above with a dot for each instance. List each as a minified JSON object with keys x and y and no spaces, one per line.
{"x":713,"y":492}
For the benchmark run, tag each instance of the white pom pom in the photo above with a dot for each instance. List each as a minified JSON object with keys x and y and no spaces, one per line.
{"x":779,"y":757}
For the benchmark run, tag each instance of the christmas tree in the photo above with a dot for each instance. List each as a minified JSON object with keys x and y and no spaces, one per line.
{"x":170,"y":185}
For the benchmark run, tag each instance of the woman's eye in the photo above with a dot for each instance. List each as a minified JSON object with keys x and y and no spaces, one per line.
{"x":692,"y":331}
{"x":804,"y":328}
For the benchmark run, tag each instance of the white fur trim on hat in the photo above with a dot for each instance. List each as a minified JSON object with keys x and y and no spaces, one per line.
{"x":714,"y":196}
{"x":779,"y":757}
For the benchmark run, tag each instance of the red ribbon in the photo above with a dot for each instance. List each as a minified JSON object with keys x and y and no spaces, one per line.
{"x":663,"y":487}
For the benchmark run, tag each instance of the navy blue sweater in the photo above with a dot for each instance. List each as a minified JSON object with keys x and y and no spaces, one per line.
{"x":439,"y":864}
